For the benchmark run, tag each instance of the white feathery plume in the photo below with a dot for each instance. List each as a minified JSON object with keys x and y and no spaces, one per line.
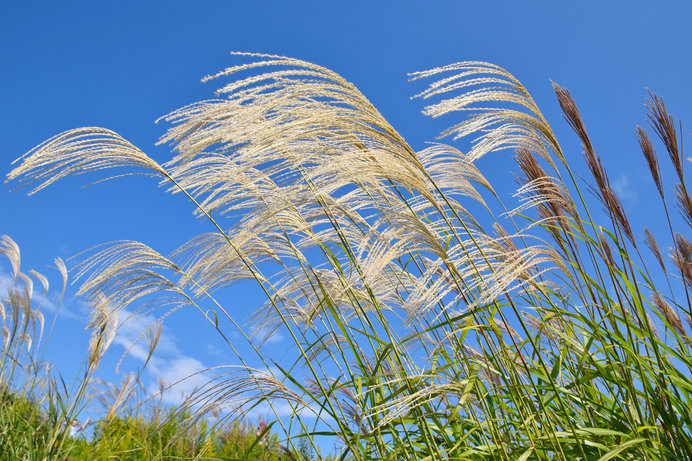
{"x":60,"y":265}
{"x":482,"y":83}
{"x":78,"y":151}
{"x":41,"y":278}
{"x":126,"y":271}
{"x":10,"y":250}
{"x":103,"y":325}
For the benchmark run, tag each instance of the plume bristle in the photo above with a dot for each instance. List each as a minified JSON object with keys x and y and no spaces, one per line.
{"x":670,"y":316}
{"x":78,"y":151}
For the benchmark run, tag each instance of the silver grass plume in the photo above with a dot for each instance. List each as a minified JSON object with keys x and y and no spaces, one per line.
{"x":651,"y":159}
{"x":668,"y":313}
{"x":607,"y":194}
{"x":664,"y":126}
{"x":480,"y":83}
{"x":10,"y":250}
{"x":78,"y":151}
{"x":681,"y":257}
{"x":103,"y":325}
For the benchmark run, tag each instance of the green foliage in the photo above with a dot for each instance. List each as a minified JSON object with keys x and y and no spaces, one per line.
{"x":143,"y":437}
{"x":23,"y":428}
{"x":27,"y":428}
{"x":305,"y":450}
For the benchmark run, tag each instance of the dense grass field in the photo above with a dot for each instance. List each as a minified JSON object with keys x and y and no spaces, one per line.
{"x":430,"y":317}
{"x":28,"y":429}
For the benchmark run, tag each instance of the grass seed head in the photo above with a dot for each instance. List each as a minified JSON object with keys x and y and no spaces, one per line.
{"x":665,"y":309}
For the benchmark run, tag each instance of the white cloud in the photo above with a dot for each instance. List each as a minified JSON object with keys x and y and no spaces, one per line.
{"x":182,"y":374}
{"x":279,"y":410}
{"x":275,"y":338}
{"x":167,"y":363}
{"x":624,"y":190}
{"x":260,"y":337}
{"x":5,"y":282}
{"x":215,"y":350}
{"x":132,"y":327}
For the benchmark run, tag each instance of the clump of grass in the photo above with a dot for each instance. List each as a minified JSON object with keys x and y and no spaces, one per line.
{"x":137,"y":424}
{"x":36,"y":409}
{"x":171,"y":436}
{"x":420,"y":330}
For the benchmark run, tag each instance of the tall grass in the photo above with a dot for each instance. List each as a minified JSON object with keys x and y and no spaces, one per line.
{"x":536,"y":328}
{"x":37,"y":407}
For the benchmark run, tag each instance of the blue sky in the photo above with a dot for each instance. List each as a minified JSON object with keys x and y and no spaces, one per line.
{"x":122,"y":65}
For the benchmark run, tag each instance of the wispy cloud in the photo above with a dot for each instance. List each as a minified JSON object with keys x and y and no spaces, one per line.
{"x":625,"y":191}
{"x":168,"y":364}
{"x":275,"y":338}
{"x":262,"y":336}
{"x":182,"y":374}
{"x":5,"y":282}
{"x":131,"y":336}
{"x":280,"y":410}
{"x":215,"y":350}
